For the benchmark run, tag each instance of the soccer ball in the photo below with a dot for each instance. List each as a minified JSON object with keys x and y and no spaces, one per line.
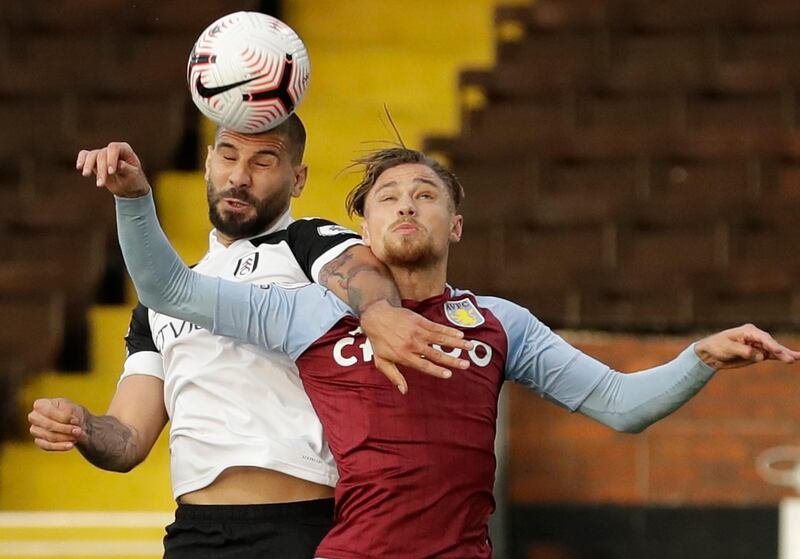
{"x":248,"y":72}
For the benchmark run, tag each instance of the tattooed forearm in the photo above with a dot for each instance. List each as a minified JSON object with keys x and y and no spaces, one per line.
{"x":110,"y":444}
{"x":359,"y":282}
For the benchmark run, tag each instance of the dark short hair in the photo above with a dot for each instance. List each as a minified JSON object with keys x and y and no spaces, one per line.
{"x":376,"y":162}
{"x":293,"y":130}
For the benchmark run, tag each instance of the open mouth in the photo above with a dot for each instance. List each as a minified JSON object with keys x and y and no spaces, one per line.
{"x":235,"y":204}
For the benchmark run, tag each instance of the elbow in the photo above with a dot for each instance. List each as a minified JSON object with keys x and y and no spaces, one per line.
{"x":630,"y":426}
{"x":124,"y":465}
{"x":122,"y":468}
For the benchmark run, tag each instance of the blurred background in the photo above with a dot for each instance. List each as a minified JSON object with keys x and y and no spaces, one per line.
{"x":632,"y":170}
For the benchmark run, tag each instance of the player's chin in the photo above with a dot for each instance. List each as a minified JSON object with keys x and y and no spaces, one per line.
{"x":408,"y":254}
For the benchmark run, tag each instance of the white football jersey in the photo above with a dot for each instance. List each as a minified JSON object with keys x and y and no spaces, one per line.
{"x":230,"y":403}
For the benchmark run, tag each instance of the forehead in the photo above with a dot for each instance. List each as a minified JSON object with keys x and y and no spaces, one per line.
{"x":253,"y":142}
{"x":408,"y":173}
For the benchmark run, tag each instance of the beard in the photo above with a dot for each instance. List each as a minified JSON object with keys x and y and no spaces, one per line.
{"x":410,"y":251}
{"x":238,"y":226}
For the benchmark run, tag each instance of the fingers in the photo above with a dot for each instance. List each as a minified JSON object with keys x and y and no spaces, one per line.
{"x":101,"y":167}
{"x":53,"y":409}
{"x":747,"y":352}
{"x":48,"y":415}
{"x":766,"y":344}
{"x":47,"y":445}
{"x":424,"y":366}
{"x":81,"y":159}
{"x":87,"y":162}
{"x":51,"y":436}
{"x":443,"y":335}
{"x":391,"y":372}
{"x":106,"y":161}
{"x":438,"y":356}
{"x":112,"y":157}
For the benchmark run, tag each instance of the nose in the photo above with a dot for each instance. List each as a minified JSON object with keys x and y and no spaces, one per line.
{"x":406,"y":207}
{"x":240,"y":175}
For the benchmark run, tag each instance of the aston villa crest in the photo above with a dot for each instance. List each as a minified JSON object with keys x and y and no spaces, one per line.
{"x":463,"y":313}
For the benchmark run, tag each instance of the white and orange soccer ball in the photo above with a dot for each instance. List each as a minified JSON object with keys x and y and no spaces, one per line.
{"x":248,"y":72}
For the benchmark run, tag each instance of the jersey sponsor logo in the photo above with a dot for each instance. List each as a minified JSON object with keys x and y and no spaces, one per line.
{"x":346,"y":352}
{"x":246,"y":265}
{"x":463,"y":313}
{"x":173,"y":330}
{"x":333,"y":230}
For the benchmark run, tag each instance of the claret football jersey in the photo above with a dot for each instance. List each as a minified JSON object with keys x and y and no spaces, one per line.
{"x":416,"y":472}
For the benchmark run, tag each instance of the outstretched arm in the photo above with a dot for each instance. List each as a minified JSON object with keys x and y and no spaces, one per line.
{"x":632,"y":402}
{"x":545,"y":363}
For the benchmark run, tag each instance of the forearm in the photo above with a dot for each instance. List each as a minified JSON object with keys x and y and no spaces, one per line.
{"x":109,"y":444}
{"x":632,"y":402}
{"x":359,"y":279}
{"x":163,"y":282}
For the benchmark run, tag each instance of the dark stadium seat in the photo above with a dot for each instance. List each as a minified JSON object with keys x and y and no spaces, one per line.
{"x":474,"y":262}
{"x":641,"y":310}
{"x":614,"y":111}
{"x":551,"y":15}
{"x":707,"y":183}
{"x":497,"y":192}
{"x":773,"y":14}
{"x":161,"y":15}
{"x":574,"y":54}
{"x":154,"y":124}
{"x":549,"y":257}
{"x":40,"y":125}
{"x":34,"y":328}
{"x":654,"y":248}
{"x":769,"y":110}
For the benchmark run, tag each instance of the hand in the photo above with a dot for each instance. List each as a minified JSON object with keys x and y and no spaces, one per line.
{"x":742,"y":346}
{"x":117,"y":168}
{"x":57,"y":424}
{"x":402,"y":337}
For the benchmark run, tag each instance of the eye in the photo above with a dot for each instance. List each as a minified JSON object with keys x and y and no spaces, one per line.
{"x":426,"y":195}
{"x":265,"y":162}
{"x":387,"y":198}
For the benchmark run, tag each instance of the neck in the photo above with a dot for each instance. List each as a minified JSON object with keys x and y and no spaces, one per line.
{"x":225,"y":239}
{"x":418,"y":284}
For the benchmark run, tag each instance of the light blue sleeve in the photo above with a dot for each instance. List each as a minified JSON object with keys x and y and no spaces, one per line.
{"x":544,"y":362}
{"x":632,"y":402}
{"x":541,"y":360}
{"x":278,"y":318}
{"x":287,"y":319}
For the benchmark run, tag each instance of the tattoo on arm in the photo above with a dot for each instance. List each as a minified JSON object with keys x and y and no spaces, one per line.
{"x":111,"y":445}
{"x":363,"y":284}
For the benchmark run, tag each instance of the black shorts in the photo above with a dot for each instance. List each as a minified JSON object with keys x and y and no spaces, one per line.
{"x":282,"y":531}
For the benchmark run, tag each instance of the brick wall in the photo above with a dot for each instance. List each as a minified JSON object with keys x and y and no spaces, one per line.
{"x":701,"y":455}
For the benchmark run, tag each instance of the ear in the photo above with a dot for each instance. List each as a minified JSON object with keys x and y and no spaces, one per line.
{"x":365,"y":233}
{"x":456,"y":228}
{"x":300,"y":178}
{"x":209,"y":153}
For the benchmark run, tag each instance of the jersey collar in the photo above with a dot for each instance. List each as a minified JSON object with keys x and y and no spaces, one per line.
{"x":282,"y":222}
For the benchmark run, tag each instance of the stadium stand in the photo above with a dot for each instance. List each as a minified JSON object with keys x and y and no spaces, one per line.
{"x":66,"y":89}
{"x":663,"y":124}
